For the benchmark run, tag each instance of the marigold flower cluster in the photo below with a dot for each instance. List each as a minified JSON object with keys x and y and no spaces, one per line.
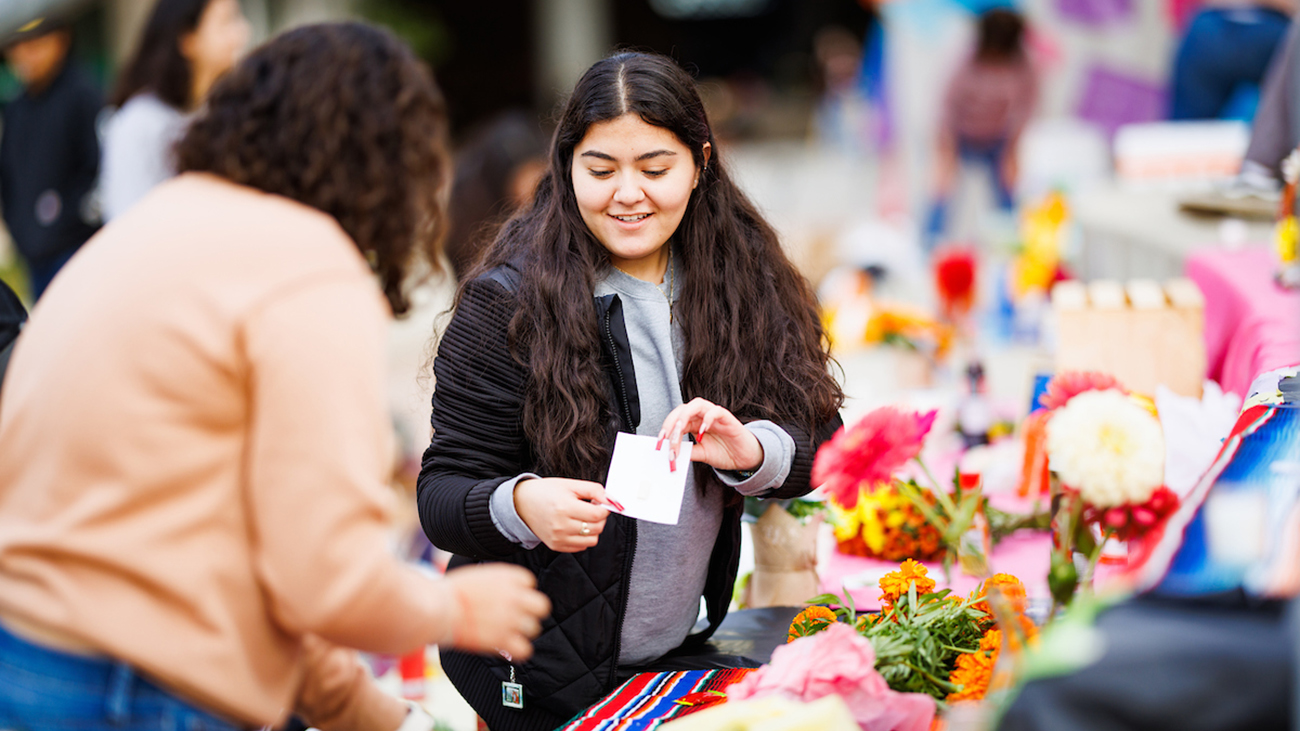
{"x":973,"y":671}
{"x":886,"y":525}
{"x":896,"y":583}
{"x":810,"y":621}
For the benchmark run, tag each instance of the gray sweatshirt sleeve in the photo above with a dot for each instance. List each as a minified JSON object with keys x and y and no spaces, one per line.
{"x":506,"y":518}
{"x":778,"y":456}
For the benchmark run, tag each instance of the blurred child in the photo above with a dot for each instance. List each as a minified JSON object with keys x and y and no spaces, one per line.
{"x":986,"y":107}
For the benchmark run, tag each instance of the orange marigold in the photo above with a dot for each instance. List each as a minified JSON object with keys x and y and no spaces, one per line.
{"x":810,"y":621}
{"x":1012,"y":590}
{"x":895,"y":583}
{"x":972,"y":674}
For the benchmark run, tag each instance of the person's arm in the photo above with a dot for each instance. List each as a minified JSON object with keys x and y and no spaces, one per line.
{"x":806,"y":443}
{"x":319,"y":443}
{"x":338,"y":694}
{"x":478,"y":441}
{"x":725,"y":444}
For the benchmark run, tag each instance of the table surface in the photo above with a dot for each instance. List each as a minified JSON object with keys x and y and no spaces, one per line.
{"x":1251,"y":324}
{"x":1152,"y":218}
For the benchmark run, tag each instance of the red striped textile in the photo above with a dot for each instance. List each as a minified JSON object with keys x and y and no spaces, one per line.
{"x":649,"y":699}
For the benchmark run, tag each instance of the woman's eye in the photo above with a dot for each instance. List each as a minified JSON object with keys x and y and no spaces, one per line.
{"x":656,"y":173}
{"x":601,"y":173}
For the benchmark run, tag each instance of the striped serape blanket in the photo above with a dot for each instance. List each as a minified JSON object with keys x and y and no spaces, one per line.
{"x":649,"y":699}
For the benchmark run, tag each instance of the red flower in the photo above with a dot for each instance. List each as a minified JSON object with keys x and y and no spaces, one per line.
{"x":1067,"y":385}
{"x":954,"y":278}
{"x":1133,"y":521}
{"x":869,"y":452}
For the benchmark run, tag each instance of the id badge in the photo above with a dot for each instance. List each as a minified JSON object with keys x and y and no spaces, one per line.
{"x":512,"y":693}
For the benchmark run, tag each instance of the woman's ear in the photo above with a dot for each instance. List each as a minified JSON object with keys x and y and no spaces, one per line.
{"x":707,"y":154}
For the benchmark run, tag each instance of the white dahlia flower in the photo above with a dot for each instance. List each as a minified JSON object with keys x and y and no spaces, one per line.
{"x":1107,"y":447}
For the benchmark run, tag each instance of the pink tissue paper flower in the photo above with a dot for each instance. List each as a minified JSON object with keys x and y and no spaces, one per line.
{"x":840,"y":661}
{"x":870,"y":451}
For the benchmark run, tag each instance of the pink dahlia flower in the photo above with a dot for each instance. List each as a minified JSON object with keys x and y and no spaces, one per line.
{"x":1067,"y":385}
{"x":869,"y":452}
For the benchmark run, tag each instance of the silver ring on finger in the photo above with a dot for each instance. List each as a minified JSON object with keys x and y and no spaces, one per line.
{"x":586,"y":530}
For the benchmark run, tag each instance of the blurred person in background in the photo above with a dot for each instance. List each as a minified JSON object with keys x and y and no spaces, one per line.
{"x":194,"y":447}
{"x":615,"y":303}
{"x":185,"y":47}
{"x":1227,"y":46}
{"x":986,"y":106}
{"x":496,"y":174}
{"x":49,"y":152}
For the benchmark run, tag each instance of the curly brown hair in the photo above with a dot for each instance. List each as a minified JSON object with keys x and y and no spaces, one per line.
{"x":343,"y":118}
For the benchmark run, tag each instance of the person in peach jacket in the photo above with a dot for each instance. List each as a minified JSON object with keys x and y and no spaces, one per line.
{"x":193,"y":438}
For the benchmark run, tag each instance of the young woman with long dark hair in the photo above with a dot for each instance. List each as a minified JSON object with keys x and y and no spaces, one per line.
{"x":640,"y":292}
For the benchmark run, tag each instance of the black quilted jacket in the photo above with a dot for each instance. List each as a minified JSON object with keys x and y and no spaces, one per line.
{"x":479,"y":443}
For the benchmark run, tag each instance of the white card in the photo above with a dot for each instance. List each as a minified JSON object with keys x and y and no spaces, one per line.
{"x":640,"y":484}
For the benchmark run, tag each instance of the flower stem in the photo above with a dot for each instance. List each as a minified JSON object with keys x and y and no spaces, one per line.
{"x":944,"y":498}
{"x":1093,"y":558}
{"x":931,"y":678}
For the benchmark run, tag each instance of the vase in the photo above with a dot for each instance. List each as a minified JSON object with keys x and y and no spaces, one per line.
{"x":785,"y":560}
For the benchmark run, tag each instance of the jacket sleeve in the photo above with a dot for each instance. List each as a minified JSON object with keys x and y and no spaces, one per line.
{"x":478,"y":436}
{"x":806,"y":444}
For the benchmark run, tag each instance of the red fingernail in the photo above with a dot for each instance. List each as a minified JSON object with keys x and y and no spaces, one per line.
{"x":672,"y":465}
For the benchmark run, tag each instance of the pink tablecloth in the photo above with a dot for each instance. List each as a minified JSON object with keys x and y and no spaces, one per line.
{"x":1026,"y":555}
{"x":1251,"y":324}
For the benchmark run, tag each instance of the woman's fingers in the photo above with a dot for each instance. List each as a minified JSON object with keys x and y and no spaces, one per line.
{"x":557,"y":510}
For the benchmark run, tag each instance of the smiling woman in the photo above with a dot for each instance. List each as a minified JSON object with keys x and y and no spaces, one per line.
{"x":643,"y":293}
{"x":632,"y":181}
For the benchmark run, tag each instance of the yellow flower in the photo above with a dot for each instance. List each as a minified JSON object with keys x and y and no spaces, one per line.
{"x":895,"y":583}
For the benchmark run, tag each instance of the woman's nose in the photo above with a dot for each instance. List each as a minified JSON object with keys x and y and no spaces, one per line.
{"x":628,"y":192}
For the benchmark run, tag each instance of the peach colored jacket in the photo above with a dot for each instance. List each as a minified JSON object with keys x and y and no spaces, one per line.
{"x":194,"y":451}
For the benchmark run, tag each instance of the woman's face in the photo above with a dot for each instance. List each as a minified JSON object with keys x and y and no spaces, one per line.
{"x":632,"y":181}
{"x":216,"y":42}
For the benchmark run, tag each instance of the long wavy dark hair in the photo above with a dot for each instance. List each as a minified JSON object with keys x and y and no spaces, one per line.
{"x":343,"y":118}
{"x":157,"y":64}
{"x":753,"y":341}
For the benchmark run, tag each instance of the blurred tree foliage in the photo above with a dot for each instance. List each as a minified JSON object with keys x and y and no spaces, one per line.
{"x":414,"y":22}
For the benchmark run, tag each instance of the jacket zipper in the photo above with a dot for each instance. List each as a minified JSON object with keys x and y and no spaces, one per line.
{"x":630,"y":550}
{"x":618,"y":368}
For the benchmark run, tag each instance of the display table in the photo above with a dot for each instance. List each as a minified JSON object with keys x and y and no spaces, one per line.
{"x":1251,"y":324}
{"x":1025,"y":555}
{"x":1142,"y":233}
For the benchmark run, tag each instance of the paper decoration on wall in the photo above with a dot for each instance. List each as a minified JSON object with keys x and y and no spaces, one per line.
{"x":1095,"y":12}
{"x":1112,"y":99}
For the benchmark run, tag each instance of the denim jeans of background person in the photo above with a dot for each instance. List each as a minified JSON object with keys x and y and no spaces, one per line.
{"x":1223,"y":49}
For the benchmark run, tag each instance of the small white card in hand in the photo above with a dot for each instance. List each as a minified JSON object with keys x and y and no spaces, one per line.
{"x":640,"y":484}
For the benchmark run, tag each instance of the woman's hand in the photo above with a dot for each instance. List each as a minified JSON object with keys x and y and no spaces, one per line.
{"x":721,"y":441}
{"x":498,"y":608}
{"x":562,"y":512}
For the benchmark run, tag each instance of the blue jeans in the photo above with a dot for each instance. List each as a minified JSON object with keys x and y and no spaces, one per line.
{"x":47,"y":690}
{"x":983,"y":154}
{"x":1222,"y":51}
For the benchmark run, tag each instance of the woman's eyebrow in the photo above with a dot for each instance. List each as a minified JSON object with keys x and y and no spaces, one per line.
{"x":639,"y":158}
